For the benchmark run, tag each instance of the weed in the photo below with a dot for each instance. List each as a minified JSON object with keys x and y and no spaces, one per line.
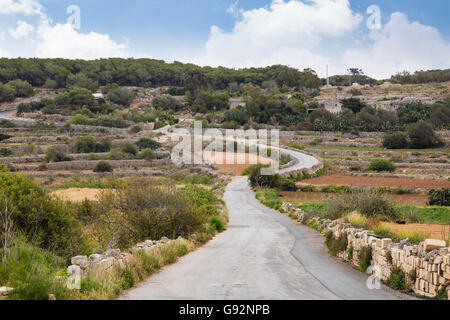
{"x":397,"y":279}
{"x":365,"y":258}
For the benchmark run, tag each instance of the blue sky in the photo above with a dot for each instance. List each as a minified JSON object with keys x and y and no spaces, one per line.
{"x":257,"y":32}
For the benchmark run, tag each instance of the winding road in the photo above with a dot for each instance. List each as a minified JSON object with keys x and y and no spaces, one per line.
{"x":262,"y":255}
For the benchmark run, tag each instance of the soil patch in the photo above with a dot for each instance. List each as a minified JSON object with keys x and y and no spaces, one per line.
{"x":77,"y":194}
{"x":236,"y":163}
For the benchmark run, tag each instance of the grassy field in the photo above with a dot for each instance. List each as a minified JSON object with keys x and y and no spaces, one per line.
{"x":306,"y":147}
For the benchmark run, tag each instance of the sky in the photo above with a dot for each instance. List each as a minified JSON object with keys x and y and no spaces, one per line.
{"x":382,"y":37}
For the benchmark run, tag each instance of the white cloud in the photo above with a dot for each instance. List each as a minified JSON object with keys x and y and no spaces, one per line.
{"x":62,"y":41}
{"x":27,"y":7}
{"x":401,"y":45}
{"x":23,"y":30}
{"x":286,"y":32}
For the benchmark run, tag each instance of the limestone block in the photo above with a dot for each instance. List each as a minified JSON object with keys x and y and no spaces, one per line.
{"x":102,"y":267}
{"x":96,"y":257}
{"x":81,"y":261}
{"x":385,"y":243}
{"x":433,"y":244}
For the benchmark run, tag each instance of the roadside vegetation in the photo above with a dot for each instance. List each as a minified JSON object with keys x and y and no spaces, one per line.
{"x":36,"y":245}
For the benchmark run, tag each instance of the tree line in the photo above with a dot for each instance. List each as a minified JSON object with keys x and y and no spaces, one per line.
{"x":63,"y":73}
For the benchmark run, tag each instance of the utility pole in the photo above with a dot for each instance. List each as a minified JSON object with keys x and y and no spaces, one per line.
{"x":328,"y":78}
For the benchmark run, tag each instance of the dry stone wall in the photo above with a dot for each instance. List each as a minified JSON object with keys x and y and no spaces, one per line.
{"x":428,"y":262}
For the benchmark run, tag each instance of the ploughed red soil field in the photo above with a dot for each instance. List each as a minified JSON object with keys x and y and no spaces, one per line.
{"x":219,"y":159}
{"x":412,"y":199}
{"x":342,"y":180}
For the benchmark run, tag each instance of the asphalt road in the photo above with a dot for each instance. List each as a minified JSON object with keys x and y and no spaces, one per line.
{"x":262,"y":255}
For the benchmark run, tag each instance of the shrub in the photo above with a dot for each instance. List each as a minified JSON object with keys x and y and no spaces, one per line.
{"x":29,"y":270}
{"x":80,"y":119}
{"x":5,"y":152}
{"x":130,"y":148}
{"x":443,"y":294}
{"x":380,"y":165}
{"x":145,"y":143}
{"x":365,"y":258}
{"x":22,"y":88}
{"x":4,"y":137}
{"x":121,"y":96}
{"x":336,"y":245}
{"x":56,"y":154}
{"x":397,"y":140}
{"x":216,"y":224}
{"x":397,"y":279}
{"x":147,"y":154}
{"x":422,"y":136}
{"x":264,"y":181}
{"x":440,"y":197}
{"x":50,"y":223}
{"x":88,"y":144}
{"x":154,"y":208}
{"x":127,"y":278}
{"x":389,"y":257}
{"x":350,"y":253}
{"x":103,"y":166}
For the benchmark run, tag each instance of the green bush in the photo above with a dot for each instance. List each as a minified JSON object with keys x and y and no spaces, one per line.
{"x":380,"y":165}
{"x":146,"y":143}
{"x":127,"y":278}
{"x":440,"y":197}
{"x":147,"y":154}
{"x":443,"y":294}
{"x":130,"y":148}
{"x":397,"y":279}
{"x":336,"y":245}
{"x":29,"y":270}
{"x":154,"y":208}
{"x":265,"y":181}
{"x":56,"y":154}
{"x":50,"y":223}
{"x":422,"y":136}
{"x":216,"y":224}
{"x":365,"y":258}
{"x":88,"y":144}
{"x":103,"y":166}
{"x":396,"y":140}
{"x":4,"y":137}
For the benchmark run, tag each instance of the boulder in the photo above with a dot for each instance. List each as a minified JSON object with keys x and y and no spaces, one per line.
{"x":98,"y":251}
{"x":433,"y":244}
{"x":96,"y":257}
{"x":113,"y":253}
{"x":81,"y":261}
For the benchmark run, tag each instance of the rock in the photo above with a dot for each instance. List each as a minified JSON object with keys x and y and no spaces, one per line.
{"x":52,"y":297}
{"x":164,"y":240}
{"x":81,"y":261}
{"x":430,"y":256}
{"x":113,"y":253}
{"x":97,"y":270}
{"x":98,"y":251}
{"x":385,"y":243}
{"x":96,"y":257}
{"x":433,"y":244}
